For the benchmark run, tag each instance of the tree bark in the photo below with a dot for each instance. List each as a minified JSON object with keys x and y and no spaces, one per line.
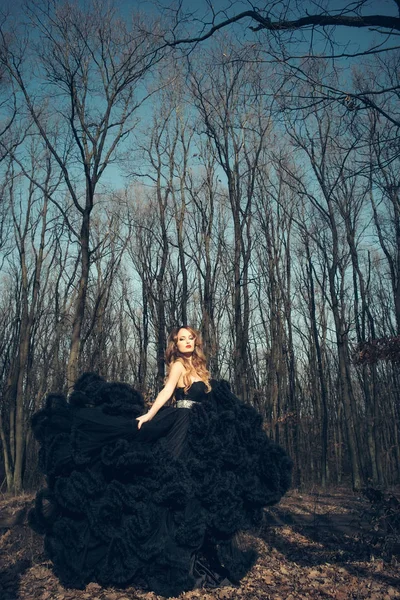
{"x":80,"y":303}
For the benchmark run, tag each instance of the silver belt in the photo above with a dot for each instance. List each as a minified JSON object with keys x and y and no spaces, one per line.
{"x":185,"y":403}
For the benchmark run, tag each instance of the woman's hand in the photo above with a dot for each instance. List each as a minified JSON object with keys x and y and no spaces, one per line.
{"x":143,"y":419}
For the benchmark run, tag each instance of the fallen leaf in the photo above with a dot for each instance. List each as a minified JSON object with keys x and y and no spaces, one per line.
{"x":341,"y":595}
{"x":314,"y":574}
{"x":93,"y":587}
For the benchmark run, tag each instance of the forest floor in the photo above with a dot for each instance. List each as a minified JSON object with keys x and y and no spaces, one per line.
{"x":331,"y":545}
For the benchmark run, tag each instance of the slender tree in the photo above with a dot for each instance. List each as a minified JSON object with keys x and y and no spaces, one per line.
{"x":93,"y":63}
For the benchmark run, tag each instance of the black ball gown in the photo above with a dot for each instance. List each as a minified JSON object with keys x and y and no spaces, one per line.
{"x":158,"y":507}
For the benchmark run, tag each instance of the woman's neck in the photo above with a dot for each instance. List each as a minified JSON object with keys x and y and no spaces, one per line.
{"x":189,"y":360}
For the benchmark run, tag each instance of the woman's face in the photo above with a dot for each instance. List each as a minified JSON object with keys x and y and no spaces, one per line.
{"x":185,"y":341}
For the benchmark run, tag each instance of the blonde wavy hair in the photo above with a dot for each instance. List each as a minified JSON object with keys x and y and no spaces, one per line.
{"x":194,"y":368}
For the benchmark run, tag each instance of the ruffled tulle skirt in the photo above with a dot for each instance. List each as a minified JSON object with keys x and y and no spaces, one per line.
{"x":158,"y":507}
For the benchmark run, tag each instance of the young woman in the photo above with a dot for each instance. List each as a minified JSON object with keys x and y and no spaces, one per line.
{"x":156,"y":499}
{"x":187,"y":379}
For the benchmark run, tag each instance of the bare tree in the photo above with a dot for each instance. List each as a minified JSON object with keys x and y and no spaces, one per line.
{"x":321,"y":139}
{"x":386,"y":209}
{"x":236,"y":120}
{"x":207,"y":223}
{"x":273,"y":18}
{"x":274,"y":206}
{"x":110,"y":237}
{"x":93,"y":63}
{"x":29,"y":216}
{"x":294,"y":36}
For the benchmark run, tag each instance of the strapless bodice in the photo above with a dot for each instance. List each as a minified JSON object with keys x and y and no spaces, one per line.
{"x":196,"y":392}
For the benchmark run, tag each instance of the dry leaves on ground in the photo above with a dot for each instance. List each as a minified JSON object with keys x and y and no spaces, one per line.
{"x":312,"y":546}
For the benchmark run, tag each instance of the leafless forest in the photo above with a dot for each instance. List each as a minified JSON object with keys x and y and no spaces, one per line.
{"x":246,"y":184}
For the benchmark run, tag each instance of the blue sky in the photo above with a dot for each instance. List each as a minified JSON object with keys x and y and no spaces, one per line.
{"x":352,"y":39}
{"x":373,"y":7}
{"x":357,"y":39}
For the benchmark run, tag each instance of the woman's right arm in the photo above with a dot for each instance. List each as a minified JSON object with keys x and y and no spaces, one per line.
{"x":176,"y":371}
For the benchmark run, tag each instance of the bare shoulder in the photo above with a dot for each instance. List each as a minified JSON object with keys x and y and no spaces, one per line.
{"x":177,"y":367}
{"x":175,"y":372}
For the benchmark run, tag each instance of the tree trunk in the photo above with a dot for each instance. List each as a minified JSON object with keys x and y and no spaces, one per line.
{"x":321,"y":376}
{"x":80,"y":304}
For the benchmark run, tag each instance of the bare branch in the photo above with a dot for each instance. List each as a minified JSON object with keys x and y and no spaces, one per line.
{"x":310,"y":21}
